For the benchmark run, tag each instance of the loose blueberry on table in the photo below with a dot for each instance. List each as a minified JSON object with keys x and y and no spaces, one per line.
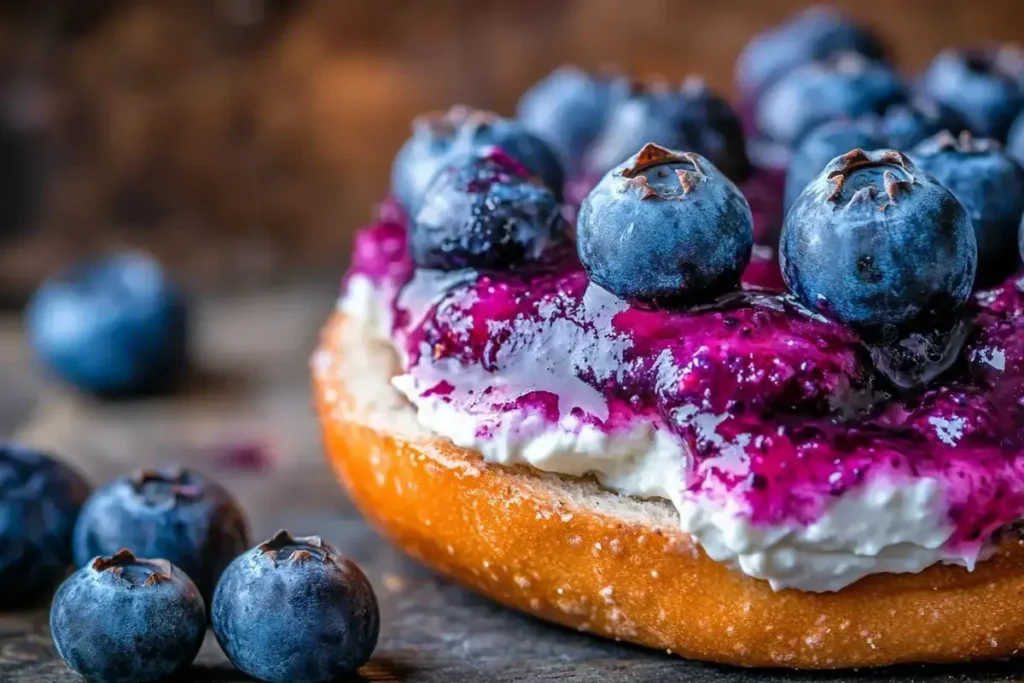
{"x":990,"y":185}
{"x":438,"y":138}
{"x":846,"y":85}
{"x":40,"y":499}
{"x":114,"y":326}
{"x":665,"y":227}
{"x":484,"y":210}
{"x":294,"y":610}
{"x":172,"y":513}
{"x":123,"y":619}
{"x":691,"y":117}
{"x":984,"y":85}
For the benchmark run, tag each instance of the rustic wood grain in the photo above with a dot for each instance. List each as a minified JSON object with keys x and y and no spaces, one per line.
{"x":254,"y":386}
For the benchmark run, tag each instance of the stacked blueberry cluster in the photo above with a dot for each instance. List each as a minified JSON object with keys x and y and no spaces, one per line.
{"x":900,"y":198}
{"x":289,"y":609}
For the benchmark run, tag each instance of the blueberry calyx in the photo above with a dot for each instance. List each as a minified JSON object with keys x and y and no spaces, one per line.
{"x":168,"y":485}
{"x":283,"y":547}
{"x":892,"y":186}
{"x":965,"y":143}
{"x":652,"y":155}
{"x":159,"y":570}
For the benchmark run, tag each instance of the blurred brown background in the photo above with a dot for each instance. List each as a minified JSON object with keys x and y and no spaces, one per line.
{"x":244,"y":140}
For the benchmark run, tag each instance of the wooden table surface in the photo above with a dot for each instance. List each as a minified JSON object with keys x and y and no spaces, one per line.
{"x":253,"y":391}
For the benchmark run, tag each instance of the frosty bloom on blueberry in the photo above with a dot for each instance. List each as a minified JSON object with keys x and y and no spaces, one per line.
{"x":123,"y":619}
{"x":665,"y":228}
{"x":568,"y":108}
{"x":984,"y":85}
{"x":847,"y":85}
{"x":878,"y":245}
{"x":483,"y":210}
{"x":40,"y":499}
{"x":990,"y":185}
{"x":438,"y":138}
{"x":812,"y":35}
{"x":294,"y":610}
{"x":692,"y":118}
{"x":172,"y":513}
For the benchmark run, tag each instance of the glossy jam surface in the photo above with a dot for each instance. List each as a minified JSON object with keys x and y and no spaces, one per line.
{"x":780,"y":408}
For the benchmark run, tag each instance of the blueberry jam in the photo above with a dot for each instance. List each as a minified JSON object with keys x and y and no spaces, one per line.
{"x":780,"y":408}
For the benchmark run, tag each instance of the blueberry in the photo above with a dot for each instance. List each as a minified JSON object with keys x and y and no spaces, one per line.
{"x":111,"y":327}
{"x":879,"y":245}
{"x":905,"y":124}
{"x":176,"y":514}
{"x":825,"y":143}
{"x":847,"y":85}
{"x":1015,"y":139}
{"x":483,"y":210}
{"x":568,"y":108}
{"x":812,"y":35}
{"x":293,"y":610}
{"x":990,"y":185}
{"x":123,"y":618}
{"x":665,"y":228}
{"x":438,"y":138}
{"x":39,"y":502}
{"x":984,"y":85}
{"x":692,"y":118}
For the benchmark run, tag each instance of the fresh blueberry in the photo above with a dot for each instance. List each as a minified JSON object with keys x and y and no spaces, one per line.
{"x":176,"y":514}
{"x":123,"y":619}
{"x":984,"y":85}
{"x":111,"y":327}
{"x":1015,"y":139}
{"x":810,"y":36}
{"x":568,"y":108}
{"x":847,"y":85}
{"x":877,"y":244}
{"x":665,"y":228}
{"x":905,"y":124}
{"x":990,"y":185}
{"x":484,"y":210}
{"x":825,"y":143}
{"x":39,"y":502}
{"x":438,"y":138}
{"x":293,"y":610}
{"x":692,"y":118}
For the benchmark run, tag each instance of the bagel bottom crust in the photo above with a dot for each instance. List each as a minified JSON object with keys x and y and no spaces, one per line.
{"x":565,"y":550}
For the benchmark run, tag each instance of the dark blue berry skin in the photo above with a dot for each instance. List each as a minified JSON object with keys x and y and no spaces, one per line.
{"x":692,"y":118}
{"x":123,"y":619}
{"x":984,"y":85}
{"x":990,"y":185}
{"x":905,"y":124}
{"x":484,"y":211}
{"x":665,"y":229}
{"x":293,"y":610}
{"x":39,"y":501}
{"x":879,"y":245}
{"x":825,"y":143}
{"x":847,"y":85}
{"x":176,"y":514}
{"x":439,"y":138}
{"x":568,"y":108}
{"x":810,"y":36}
{"x":1015,"y":139}
{"x":116,"y":326}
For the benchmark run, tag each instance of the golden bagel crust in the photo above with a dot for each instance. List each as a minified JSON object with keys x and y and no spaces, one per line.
{"x":565,"y":551}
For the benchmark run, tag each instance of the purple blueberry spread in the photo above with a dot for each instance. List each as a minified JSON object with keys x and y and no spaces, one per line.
{"x":799,"y":414}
